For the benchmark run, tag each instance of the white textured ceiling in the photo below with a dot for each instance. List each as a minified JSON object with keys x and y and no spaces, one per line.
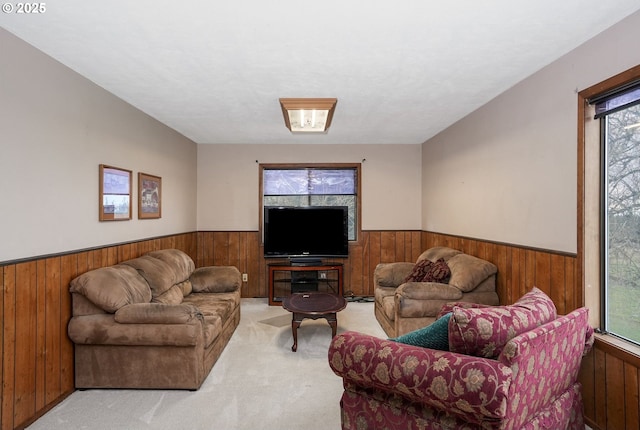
{"x":402,"y":70}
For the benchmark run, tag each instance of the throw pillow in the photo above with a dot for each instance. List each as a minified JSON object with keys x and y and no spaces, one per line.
{"x":484,"y":332}
{"x":419,"y":271}
{"x":437,"y":272}
{"x":433,"y":336}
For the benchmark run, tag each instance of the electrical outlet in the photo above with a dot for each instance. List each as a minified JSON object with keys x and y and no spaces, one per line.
{"x":245,"y":277}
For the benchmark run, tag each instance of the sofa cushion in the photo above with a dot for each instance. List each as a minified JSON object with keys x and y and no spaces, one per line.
{"x":213,"y":326}
{"x":433,"y":336}
{"x":419,"y":271}
{"x":177,"y":260}
{"x":156,"y":313}
{"x":222,"y":304}
{"x":158,"y":274}
{"x":173,"y":296}
{"x":215,"y":279}
{"x":112,"y":287}
{"x":186,"y":287}
{"x":484,"y":332}
{"x":438,"y":252}
{"x":102,"y":329}
{"x":467,"y":271}
{"x":437,"y":272}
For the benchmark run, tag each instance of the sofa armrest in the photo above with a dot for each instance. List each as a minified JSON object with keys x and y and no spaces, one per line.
{"x":547,"y":358}
{"x":473,"y":388}
{"x":423,"y":299}
{"x":391,"y":274}
{"x":157,"y":313}
{"x":216,"y":279}
{"x":428,"y":291}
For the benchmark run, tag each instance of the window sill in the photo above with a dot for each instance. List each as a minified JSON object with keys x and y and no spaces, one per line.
{"x":619,"y":348}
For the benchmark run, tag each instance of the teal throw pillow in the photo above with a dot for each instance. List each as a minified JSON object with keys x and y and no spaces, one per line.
{"x":433,"y":336}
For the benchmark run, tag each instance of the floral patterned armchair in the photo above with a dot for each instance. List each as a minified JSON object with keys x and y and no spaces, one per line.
{"x":522,"y":374}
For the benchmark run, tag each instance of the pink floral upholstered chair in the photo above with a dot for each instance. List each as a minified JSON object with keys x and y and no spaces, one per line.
{"x":503,"y":367}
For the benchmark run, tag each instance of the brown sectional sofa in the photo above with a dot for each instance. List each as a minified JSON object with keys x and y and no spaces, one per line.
{"x":152,"y":322}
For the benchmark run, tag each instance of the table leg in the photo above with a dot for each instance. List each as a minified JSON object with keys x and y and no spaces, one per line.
{"x":294,"y":329}
{"x":332,"y":319}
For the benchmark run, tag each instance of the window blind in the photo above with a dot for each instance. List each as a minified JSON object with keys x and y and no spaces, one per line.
{"x":615,"y":100}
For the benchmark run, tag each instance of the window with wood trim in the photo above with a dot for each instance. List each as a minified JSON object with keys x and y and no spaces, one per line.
{"x":611,"y":205}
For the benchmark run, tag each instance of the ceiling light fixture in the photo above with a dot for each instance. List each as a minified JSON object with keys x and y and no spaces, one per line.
{"x":308,"y":115}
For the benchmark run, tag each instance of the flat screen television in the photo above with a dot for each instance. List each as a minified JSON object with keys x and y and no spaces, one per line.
{"x":306,"y":233}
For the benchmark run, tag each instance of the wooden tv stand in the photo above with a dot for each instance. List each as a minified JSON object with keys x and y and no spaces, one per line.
{"x":286,"y":278}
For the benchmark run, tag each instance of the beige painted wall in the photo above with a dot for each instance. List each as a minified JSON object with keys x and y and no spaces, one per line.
{"x":228,"y":182}
{"x":507,"y":172}
{"x":56,"y":127}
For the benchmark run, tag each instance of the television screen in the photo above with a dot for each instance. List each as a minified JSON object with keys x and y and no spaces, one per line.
{"x":306,"y":232}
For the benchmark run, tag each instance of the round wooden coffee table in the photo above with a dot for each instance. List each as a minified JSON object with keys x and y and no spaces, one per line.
{"x":313,"y":305}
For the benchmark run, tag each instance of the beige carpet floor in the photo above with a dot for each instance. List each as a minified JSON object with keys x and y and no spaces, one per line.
{"x":258,"y":382}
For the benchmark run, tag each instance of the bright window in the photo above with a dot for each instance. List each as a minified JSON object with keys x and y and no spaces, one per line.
{"x":303,"y":185}
{"x":619,"y":115}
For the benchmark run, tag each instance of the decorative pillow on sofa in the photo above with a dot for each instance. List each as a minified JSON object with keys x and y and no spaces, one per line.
{"x":428,"y":271}
{"x":437,"y":272}
{"x":419,"y":271}
{"x":433,"y":336}
{"x":484,"y":332}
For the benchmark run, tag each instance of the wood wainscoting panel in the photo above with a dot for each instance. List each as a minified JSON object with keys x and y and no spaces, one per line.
{"x":8,"y":345}
{"x":25,"y":340}
{"x":610,"y":379}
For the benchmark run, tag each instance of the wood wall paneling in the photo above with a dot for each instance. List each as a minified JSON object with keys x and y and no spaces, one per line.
{"x":25,"y":336}
{"x":610,"y":387}
{"x":631,"y":396}
{"x":8,"y":346}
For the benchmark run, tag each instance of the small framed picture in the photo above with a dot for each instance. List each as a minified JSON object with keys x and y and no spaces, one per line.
{"x":149,"y":196}
{"x":115,"y":194}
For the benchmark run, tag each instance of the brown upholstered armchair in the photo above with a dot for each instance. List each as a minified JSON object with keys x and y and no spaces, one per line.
{"x":401,"y":307}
